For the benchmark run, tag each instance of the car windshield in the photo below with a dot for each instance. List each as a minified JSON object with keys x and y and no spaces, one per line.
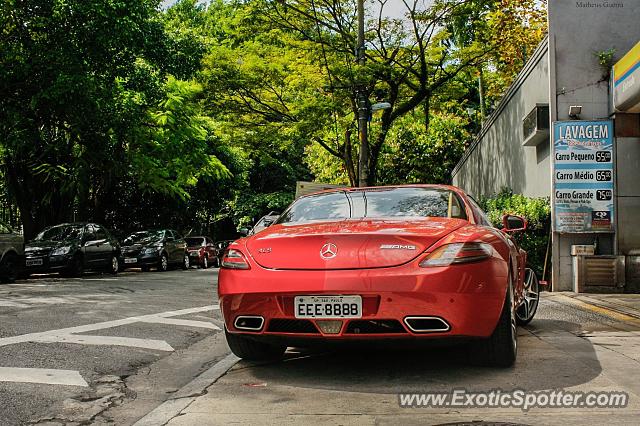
{"x":144,"y":237}
{"x":404,"y":202}
{"x":194,"y":241}
{"x":60,"y":233}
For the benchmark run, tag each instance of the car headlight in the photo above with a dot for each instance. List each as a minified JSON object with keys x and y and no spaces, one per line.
{"x":151,"y":250}
{"x":61,"y":251}
{"x":450,"y":254}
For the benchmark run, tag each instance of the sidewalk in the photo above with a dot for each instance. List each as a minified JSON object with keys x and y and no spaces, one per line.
{"x":350,"y":389}
{"x":624,"y":304}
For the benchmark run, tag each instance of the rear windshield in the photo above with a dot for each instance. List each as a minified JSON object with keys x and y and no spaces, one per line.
{"x":194,"y":241}
{"x":376,"y":203}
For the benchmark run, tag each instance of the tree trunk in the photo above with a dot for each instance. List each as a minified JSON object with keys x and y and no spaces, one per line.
{"x":348,"y":158}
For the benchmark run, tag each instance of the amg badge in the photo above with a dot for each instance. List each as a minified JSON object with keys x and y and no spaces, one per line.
{"x":397,"y":247}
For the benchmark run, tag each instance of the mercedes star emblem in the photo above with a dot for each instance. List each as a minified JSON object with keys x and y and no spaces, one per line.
{"x":328,"y":251}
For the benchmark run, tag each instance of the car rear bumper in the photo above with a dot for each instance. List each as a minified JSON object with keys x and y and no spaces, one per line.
{"x":467,"y":298}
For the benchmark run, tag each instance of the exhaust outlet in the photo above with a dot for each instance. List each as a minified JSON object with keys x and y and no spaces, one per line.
{"x":419,"y":324}
{"x":249,"y":322}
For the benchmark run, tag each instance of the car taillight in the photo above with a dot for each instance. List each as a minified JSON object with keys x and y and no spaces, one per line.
{"x":234,"y":259}
{"x":450,"y":254}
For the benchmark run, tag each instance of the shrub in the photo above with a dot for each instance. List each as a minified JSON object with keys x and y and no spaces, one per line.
{"x":537,"y":211}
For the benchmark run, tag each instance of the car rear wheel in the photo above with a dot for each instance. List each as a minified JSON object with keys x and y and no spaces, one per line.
{"x":252,"y":350}
{"x":501,"y":348}
{"x":527,"y":309}
{"x":205,"y":263}
{"x":163,"y":264}
{"x":9,"y":268}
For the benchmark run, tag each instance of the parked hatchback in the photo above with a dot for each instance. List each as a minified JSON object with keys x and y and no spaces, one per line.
{"x":72,"y":248}
{"x":11,"y":252}
{"x":159,"y":248}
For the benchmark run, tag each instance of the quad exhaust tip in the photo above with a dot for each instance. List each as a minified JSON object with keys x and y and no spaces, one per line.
{"x":249,"y":322}
{"x":420,"y":324}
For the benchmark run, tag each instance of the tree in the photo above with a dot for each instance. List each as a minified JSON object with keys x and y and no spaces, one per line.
{"x":86,"y":101}
{"x":406,"y":66}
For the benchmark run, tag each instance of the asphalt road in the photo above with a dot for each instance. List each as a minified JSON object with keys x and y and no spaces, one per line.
{"x":152,"y":322}
{"x":158,"y":331}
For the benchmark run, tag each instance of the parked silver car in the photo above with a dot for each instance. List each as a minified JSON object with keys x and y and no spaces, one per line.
{"x":11,"y":253}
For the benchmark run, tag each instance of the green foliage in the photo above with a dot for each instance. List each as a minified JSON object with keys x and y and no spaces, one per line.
{"x":537,"y":212}
{"x":416,"y":155}
{"x":249,"y":207}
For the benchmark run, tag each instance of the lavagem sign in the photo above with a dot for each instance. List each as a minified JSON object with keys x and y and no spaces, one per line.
{"x":583,"y":176}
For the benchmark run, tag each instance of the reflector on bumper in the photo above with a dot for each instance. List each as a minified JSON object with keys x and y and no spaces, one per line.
{"x":329,"y":326}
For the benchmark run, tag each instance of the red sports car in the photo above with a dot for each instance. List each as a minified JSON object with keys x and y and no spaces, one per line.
{"x":399,"y":262}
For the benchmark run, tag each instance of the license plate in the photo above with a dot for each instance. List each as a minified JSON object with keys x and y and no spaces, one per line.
{"x":130,"y":260}
{"x":33,"y":262}
{"x":328,"y":306}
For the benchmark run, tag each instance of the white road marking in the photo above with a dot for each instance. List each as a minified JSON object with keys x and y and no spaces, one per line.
{"x":35,"y":337}
{"x":176,"y":321}
{"x":29,"y":302}
{"x":42,"y":375}
{"x":83,"y":339}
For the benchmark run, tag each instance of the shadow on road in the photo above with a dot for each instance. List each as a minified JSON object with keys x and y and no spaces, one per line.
{"x":388,"y":369}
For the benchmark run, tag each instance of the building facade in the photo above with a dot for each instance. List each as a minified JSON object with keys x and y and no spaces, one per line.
{"x":564,"y":81}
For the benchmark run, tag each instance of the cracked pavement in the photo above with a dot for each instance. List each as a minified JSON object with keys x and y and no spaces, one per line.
{"x":134,"y":339}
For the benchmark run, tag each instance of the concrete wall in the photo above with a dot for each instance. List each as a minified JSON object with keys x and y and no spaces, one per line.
{"x":577,"y":31}
{"x":497,"y":158}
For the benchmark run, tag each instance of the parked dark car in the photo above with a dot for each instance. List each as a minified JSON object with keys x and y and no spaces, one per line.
{"x":159,"y":248}
{"x":71,"y":248}
{"x":202,"y":252}
{"x":11,"y":253}
{"x":221,"y":246}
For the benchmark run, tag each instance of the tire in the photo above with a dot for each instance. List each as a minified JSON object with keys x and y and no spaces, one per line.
{"x":9,"y":268}
{"x":205,"y":263}
{"x":252,"y":350}
{"x":527,"y":309}
{"x":185,"y":262}
{"x":216,"y":262}
{"x":114,"y":265}
{"x":501,"y":348}
{"x":163,"y":264}
{"x":76,"y":269}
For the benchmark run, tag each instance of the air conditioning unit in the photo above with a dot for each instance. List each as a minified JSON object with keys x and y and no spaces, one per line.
{"x":535,"y":126}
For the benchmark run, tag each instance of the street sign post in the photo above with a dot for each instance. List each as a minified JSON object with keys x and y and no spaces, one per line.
{"x":583,"y":176}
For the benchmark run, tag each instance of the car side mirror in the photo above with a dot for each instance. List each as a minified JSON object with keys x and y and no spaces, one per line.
{"x":513,"y":223}
{"x":244,"y":231}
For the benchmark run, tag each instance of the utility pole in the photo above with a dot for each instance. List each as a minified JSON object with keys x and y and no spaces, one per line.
{"x":363,"y":105}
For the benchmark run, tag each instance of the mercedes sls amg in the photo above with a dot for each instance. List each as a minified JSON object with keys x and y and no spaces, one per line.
{"x":401,"y":262}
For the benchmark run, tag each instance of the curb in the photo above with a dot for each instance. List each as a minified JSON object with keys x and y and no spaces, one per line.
{"x":171,"y":408}
{"x":611,"y":310}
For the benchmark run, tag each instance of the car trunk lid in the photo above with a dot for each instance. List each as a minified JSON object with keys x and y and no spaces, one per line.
{"x":348,"y":244}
